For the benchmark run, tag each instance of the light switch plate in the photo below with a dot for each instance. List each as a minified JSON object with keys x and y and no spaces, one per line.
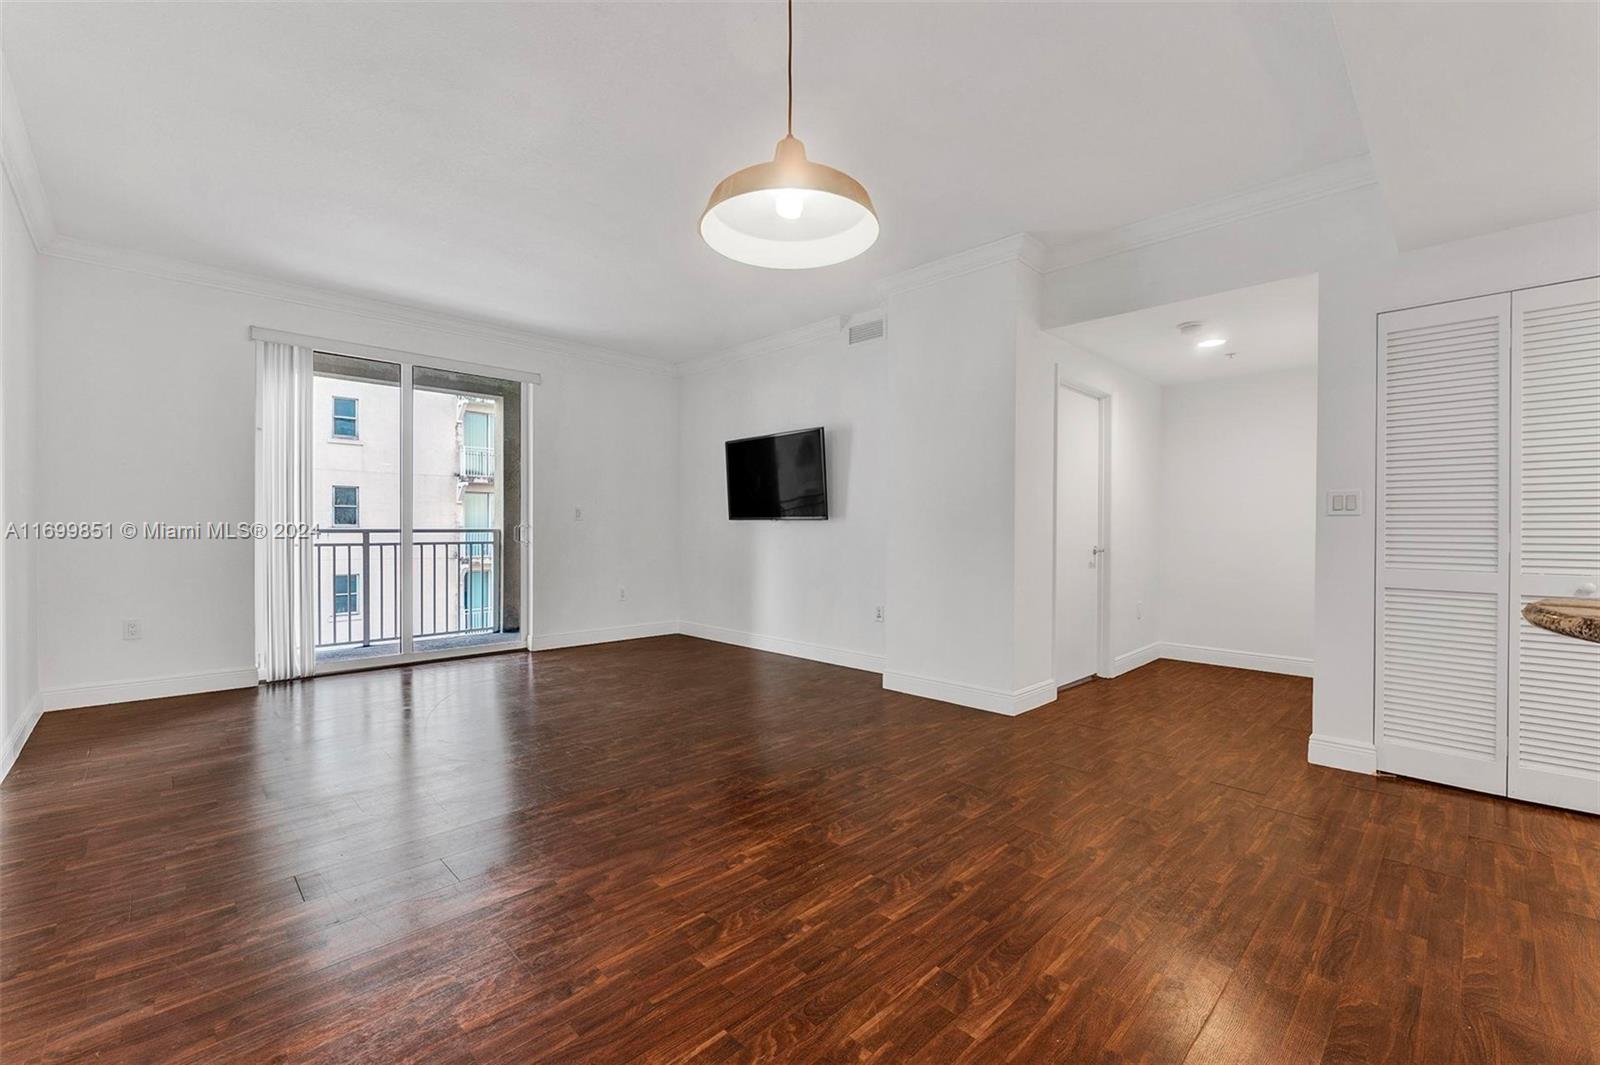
{"x":1344,"y":504}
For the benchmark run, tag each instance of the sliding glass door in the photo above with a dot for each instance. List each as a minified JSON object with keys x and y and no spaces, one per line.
{"x":466,"y":480}
{"x":418,"y":494}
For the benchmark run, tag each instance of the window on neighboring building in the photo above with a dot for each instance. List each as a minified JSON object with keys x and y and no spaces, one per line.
{"x":347,"y":593}
{"x":345,"y":423}
{"x":477,"y":595}
{"x":346,"y":505}
{"x":477,"y":515}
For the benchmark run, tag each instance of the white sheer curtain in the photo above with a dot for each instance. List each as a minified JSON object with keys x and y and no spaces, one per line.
{"x":285,"y":588}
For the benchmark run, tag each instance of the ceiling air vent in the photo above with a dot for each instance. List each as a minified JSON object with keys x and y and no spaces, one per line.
{"x":862,"y":332}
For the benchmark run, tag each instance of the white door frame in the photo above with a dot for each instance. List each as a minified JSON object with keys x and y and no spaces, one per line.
{"x":1103,"y":575}
{"x":408,"y":362}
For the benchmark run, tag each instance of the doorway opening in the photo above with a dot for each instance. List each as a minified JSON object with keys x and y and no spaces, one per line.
{"x":1210,"y":555}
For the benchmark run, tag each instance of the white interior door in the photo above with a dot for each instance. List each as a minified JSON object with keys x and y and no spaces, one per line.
{"x":1079,"y":553}
{"x":1443,"y":524}
{"x":1555,"y":471}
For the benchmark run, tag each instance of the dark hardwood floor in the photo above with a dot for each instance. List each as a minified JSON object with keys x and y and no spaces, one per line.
{"x":675,"y":850}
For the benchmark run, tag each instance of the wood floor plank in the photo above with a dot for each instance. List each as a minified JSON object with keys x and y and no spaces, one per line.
{"x":670,"y":850}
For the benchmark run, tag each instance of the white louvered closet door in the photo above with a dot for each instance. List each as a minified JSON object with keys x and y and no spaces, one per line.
{"x":1443,"y":532}
{"x":1555,"y":486}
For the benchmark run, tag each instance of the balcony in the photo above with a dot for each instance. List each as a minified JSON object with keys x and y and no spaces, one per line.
{"x":477,"y":463}
{"x":455,"y":577}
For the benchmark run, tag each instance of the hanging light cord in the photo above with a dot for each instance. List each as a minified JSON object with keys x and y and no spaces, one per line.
{"x":791,"y":68}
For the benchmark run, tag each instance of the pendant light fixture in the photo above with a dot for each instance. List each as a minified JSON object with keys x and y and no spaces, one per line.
{"x":791,"y":213}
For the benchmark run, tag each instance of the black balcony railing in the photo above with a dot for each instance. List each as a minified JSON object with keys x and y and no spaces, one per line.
{"x":455,"y":579}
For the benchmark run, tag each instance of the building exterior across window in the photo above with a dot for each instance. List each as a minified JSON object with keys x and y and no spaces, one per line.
{"x":455,"y":561}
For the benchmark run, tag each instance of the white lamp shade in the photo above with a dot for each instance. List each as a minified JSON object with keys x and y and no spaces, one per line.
{"x":789,"y":214}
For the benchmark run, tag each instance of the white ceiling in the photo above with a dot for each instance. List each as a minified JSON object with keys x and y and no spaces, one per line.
{"x":1268,"y":327}
{"x":1481,"y":116}
{"x":544,"y":165}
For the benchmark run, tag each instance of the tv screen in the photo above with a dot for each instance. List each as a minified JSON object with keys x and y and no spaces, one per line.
{"x":778,"y":477}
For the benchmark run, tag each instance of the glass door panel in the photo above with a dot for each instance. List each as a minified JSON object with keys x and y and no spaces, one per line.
{"x":466,"y":493}
{"x":355,"y":459}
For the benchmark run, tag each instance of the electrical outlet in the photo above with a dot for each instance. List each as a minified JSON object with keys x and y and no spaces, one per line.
{"x":1138,"y":611}
{"x":577,"y":513}
{"x":131,"y":630}
{"x":622,"y":595}
{"x":877,"y":613}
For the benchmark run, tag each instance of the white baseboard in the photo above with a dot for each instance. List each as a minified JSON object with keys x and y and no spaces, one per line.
{"x":19,"y":735}
{"x":584,"y":637}
{"x":1143,"y":656}
{"x":1335,"y":752}
{"x":834,"y":656}
{"x":1221,"y":656}
{"x":994,"y":700}
{"x":129,"y":691}
{"x":1034,"y":696}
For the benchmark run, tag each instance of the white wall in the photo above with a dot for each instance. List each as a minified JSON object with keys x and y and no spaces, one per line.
{"x":19,"y":677}
{"x":967,"y":545}
{"x":953,"y":532}
{"x":1351,"y":294}
{"x":801,"y":587}
{"x":1238,"y":520}
{"x":158,"y":377}
{"x":971,"y":550}
{"x":605,"y":441}
{"x":1034,"y":505}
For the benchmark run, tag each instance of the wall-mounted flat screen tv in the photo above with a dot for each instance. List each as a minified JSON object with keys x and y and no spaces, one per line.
{"x":778,"y":477}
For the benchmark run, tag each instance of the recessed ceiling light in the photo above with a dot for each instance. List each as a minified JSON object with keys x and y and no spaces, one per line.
{"x":1212,"y":342}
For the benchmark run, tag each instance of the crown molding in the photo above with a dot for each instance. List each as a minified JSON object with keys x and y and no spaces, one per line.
{"x":1022,"y":248}
{"x":1344,"y":176}
{"x":345,"y":302}
{"x":815,"y":333}
{"x":21,"y":169}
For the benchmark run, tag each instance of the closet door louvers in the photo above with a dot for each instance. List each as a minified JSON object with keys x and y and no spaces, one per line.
{"x":1443,"y":532}
{"x":1555,"y":469}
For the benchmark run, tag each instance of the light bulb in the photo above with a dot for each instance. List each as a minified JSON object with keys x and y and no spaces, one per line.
{"x":1212,"y":342}
{"x":789,"y":203}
